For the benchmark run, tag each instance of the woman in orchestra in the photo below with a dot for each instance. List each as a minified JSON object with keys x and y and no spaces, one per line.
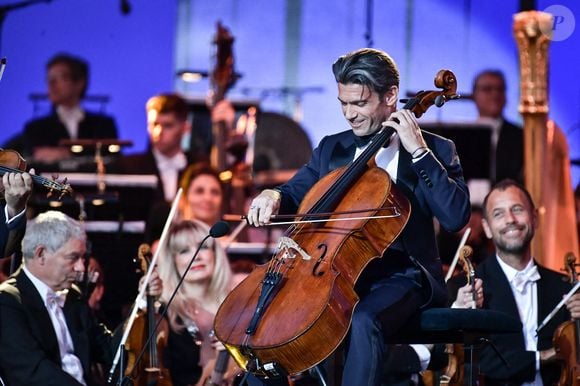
{"x":191,"y":348}
{"x":202,"y":200}
{"x":202,"y":194}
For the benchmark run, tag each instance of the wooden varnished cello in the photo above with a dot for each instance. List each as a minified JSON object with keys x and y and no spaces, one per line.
{"x":566,"y":338}
{"x":292,"y":313}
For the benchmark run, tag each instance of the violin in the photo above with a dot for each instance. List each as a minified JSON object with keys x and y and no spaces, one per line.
{"x":565,"y":339}
{"x":454,"y":372}
{"x":12,"y":162}
{"x":291,"y":313}
{"x":149,"y":370}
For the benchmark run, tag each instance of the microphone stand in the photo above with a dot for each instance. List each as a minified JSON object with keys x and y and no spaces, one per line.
{"x":173,"y":294}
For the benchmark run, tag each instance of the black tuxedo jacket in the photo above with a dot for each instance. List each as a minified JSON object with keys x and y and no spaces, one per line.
{"x":29,"y":353}
{"x":498,"y":296}
{"x":143,"y":163}
{"x":10,"y":234}
{"x":434,"y":186}
{"x":49,"y":130}
{"x":509,"y":153}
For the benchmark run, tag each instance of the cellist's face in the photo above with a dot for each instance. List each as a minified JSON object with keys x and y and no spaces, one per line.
{"x":363,"y":108}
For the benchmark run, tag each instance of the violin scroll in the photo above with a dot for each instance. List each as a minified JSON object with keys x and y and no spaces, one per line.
{"x":570,"y":266}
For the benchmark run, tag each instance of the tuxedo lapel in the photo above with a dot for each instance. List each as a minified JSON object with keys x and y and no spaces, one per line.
{"x":500,"y":293}
{"x":543,"y":287}
{"x":77,"y":330}
{"x":42,"y":328}
{"x":342,"y":153}
{"x":59,"y":129}
{"x":406,"y":176}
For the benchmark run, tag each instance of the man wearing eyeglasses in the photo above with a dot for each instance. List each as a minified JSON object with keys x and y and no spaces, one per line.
{"x":507,"y":147}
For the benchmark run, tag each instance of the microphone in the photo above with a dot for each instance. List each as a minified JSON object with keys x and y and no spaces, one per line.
{"x":219,"y":229}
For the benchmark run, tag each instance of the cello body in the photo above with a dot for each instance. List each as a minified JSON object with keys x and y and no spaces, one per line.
{"x":291,"y":313}
{"x":289,"y":334}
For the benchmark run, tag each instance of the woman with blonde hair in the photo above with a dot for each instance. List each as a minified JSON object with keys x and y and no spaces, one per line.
{"x":191,"y":346}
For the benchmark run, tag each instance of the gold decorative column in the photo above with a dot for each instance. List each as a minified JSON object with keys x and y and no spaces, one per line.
{"x":546,"y":163}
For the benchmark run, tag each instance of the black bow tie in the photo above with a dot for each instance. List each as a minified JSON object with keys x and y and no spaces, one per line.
{"x":364,"y":140}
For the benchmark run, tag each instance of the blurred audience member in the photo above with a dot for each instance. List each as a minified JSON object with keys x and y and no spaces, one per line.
{"x":67,"y":77}
{"x":202,"y":200}
{"x":507,"y":147}
{"x":166,"y":125}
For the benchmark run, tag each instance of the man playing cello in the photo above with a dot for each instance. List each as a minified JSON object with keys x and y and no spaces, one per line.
{"x":424,"y":167}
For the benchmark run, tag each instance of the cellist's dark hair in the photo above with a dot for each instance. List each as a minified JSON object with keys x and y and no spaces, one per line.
{"x":368,"y":67}
{"x":504,"y":185}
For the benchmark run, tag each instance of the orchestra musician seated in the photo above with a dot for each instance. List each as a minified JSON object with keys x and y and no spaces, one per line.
{"x":48,"y":334}
{"x":514,"y":283}
{"x":67,"y":79}
{"x":192,"y":349}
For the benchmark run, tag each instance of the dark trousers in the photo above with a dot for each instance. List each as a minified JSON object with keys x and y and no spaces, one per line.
{"x":380,"y":313}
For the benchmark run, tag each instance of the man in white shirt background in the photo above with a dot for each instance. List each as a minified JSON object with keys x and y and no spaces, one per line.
{"x":67,"y":78}
{"x":506,"y":144}
{"x":515,"y":284}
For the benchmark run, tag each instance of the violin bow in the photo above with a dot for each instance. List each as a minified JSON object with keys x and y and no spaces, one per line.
{"x":456,"y":257}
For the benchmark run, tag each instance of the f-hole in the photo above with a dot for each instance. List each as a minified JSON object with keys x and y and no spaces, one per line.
{"x":315,"y":271}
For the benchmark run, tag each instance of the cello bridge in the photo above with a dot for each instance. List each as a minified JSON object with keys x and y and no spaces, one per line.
{"x":288,"y":246}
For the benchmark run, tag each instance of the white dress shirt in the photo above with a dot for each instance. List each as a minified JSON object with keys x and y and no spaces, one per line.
{"x":71,"y":117}
{"x":169,"y":169}
{"x":387,"y":158}
{"x":526,"y":296}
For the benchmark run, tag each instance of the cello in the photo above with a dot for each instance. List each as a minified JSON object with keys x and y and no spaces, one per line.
{"x":566,"y":341}
{"x":309,"y":283}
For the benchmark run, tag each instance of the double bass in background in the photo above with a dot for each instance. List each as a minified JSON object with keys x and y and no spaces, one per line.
{"x":309,"y":283}
{"x":232,"y":148}
{"x":566,"y":337}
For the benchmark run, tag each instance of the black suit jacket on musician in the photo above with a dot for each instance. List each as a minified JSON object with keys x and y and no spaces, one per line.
{"x":498,"y":296}
{"x":49,"y":130}
{"x":29,"y":353}
{"x":10,"y":234}
{"x":509,"y":153}
{"x":143,"y":163}
{"x":434,"y":185}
